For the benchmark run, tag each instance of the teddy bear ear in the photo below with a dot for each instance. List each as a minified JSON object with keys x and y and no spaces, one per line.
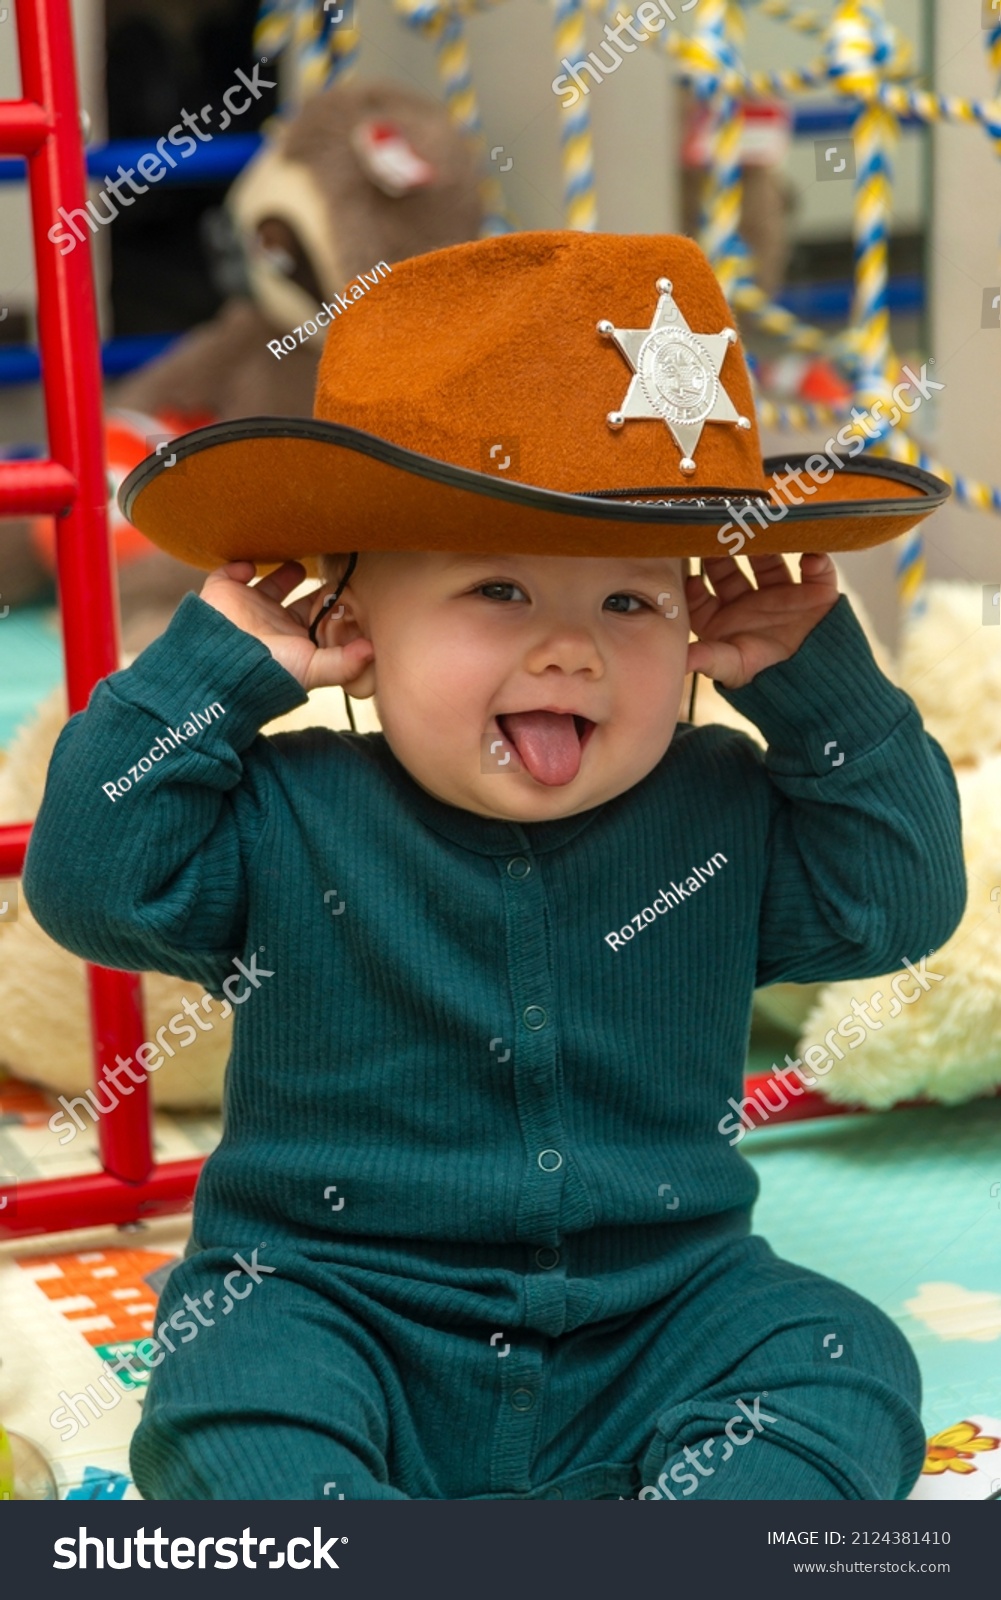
{"x":388,"y":159}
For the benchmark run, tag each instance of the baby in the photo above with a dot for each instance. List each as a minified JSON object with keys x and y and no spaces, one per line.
{"x":491,"y":1241}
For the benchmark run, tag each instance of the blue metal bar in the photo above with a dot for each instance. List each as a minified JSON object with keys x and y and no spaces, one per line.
{"x":832,"y":301}
{"x":19,"y":362}
{"x":217,"y":162}
{"x":824,"y":302}
{"x":123,"y":355}
{"x":812,"y":122}
{"x":228,"y":153}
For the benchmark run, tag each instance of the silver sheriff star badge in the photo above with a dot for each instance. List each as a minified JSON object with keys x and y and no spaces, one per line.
{"x":676,"y":375}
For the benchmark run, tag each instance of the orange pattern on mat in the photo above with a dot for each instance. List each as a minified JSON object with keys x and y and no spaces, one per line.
{"x":30,"y":1105}
{"x":111,"y":1284}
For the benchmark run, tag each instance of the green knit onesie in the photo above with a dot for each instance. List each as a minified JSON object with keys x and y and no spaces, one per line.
{"x":473,"y":1103}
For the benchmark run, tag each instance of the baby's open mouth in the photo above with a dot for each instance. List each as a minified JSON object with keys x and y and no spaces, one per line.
{"x":549,"y":743}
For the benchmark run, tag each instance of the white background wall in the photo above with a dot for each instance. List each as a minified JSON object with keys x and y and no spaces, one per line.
{"x":965,"y":230}
{"x":17,"y":270}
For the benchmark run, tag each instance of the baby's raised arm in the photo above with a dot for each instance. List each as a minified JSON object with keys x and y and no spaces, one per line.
{"x":864,"y":854}
{"x":138,"y":857}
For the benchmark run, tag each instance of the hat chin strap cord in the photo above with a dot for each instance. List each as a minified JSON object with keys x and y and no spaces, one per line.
{"x":331,"y":600}
{"x":695,"y":676}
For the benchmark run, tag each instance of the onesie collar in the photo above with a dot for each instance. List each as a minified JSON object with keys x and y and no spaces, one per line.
{"x":487,"y":836}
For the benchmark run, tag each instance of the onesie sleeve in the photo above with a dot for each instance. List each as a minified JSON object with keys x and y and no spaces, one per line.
{"x":138,"y":857}
{"x":864,"y":853}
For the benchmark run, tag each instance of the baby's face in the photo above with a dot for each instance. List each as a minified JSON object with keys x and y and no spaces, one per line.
{"x":523,"y":687}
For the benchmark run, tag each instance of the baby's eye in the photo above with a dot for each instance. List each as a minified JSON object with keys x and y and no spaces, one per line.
{"x":500,"y":591}
{"x":622,"y":603}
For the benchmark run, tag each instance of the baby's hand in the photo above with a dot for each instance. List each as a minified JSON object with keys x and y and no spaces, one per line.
{"x":741,"y":630}
{"x":259,"y":610}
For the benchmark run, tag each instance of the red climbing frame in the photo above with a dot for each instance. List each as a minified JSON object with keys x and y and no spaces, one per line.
{"x":44,"y":127}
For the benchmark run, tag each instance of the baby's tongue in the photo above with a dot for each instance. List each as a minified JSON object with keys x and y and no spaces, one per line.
{"x":546,"y":742}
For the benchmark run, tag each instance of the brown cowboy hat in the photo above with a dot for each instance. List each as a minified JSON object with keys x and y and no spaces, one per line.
{"x":572,"y":393}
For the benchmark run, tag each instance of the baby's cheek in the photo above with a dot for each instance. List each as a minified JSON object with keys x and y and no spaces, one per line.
{"x":424,"y":725}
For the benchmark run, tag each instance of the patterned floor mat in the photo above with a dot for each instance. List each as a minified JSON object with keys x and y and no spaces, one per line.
{"x":905,"y":1207}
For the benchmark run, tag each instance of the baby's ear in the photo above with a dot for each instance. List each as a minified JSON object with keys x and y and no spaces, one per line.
{"x":363,"y":687}
{"x":331,"y":567}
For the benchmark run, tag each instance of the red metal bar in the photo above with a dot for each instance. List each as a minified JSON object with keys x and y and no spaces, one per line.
{"x":24,"y":124}
{"x":45,"y":127}
{"x":116,"y":1008}
{"x":68,"y":344}
{"x":806,"y":1105}
{"x":800,"y":1107}
{"x":13,"y":844}
{"x":33,"y":488}
{"x":96,"y":1200}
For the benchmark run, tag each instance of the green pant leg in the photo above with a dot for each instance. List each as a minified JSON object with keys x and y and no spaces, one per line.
{"x":811,"y":1393}
{"x":278,"y":1397}
{"x":836,"y":1376}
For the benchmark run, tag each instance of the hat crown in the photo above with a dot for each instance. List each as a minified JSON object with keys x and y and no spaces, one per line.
{"x":487,"y":356}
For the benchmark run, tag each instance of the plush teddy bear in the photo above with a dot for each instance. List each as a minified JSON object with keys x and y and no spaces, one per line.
{"x":945,"y":1042}
{"x":364,"y":173}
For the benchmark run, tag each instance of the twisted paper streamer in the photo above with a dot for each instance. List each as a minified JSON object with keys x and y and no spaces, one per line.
{"x":930,"y":107}
{"x":801,"y":21}
{"x":968,"y":491}
{"x":322,"y":48}
{"x":737,"y":79}
{"x":861,"y":47}
{"x":445,"y":26}
{"x":874,"y":134}
{"x":580,"y":207}
{"x":345,"y":43}
{"x":715,"y":48}
{"x":799,"y":416}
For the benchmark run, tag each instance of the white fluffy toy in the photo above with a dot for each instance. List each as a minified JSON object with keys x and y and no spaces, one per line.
{"x":944,"y":1042}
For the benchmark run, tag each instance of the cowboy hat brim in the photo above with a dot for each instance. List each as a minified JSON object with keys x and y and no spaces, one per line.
{"x":274,"y":489}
